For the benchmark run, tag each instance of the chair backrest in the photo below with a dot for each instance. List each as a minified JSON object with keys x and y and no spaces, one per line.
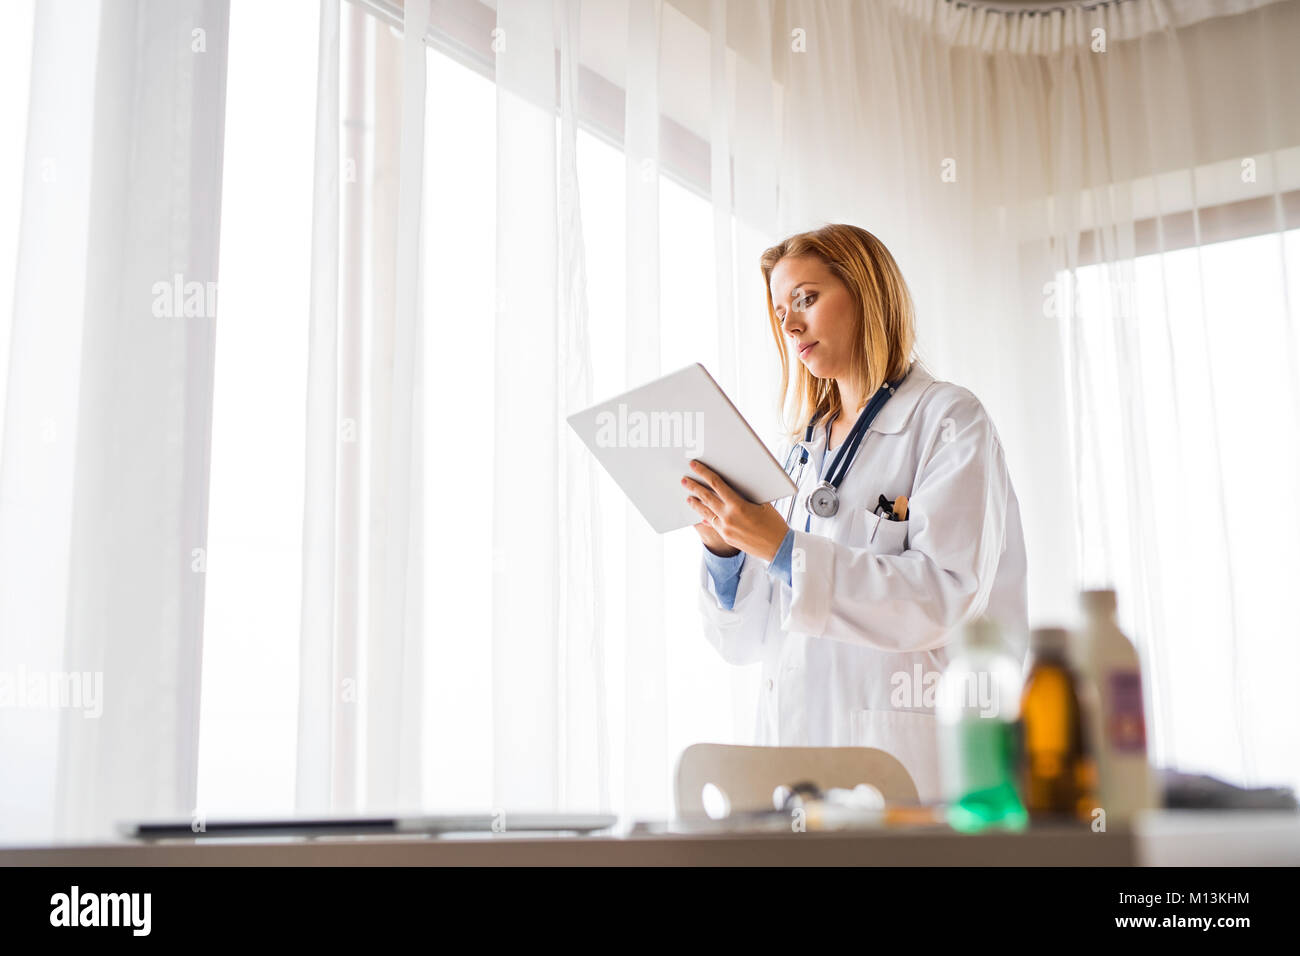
{"x":748,"y":775}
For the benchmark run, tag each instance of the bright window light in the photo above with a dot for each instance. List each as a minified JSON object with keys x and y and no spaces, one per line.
{"x":459,"y":284}
{"x":459,"y":248}
{"x":248,"y":725}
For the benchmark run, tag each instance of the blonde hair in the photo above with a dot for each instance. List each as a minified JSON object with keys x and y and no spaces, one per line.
{"x":886,"y":318}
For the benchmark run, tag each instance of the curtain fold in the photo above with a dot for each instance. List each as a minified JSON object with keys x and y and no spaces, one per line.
{"x":37,"y":466}
{"x":584,"y":731}
{"x":319,"y":749}
{"x":526,"y":589}
{"x":1051,"y":27}
{"x":647,"y":763}
{"x":361,"y":695}
{"x":395,"y":722}
{"x":104,"y":480}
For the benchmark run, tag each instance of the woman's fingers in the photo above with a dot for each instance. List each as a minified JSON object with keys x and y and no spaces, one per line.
{"x":703,"y":492}
{"x":706,"y":513}
{"x":712,"y":520}
{"x":714,"y":481}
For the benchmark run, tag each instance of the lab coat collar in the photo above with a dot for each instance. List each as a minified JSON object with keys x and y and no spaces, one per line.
{"x":893,"y":417}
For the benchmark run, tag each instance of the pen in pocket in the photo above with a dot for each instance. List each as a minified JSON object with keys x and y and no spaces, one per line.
{"x":895,"y":510}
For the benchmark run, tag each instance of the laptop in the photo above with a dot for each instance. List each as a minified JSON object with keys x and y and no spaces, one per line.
{"x":377,"y":825}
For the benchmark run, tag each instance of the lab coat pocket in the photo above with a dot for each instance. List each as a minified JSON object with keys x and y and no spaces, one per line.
{"x":910,"y":736}
{"x":882,"y":536}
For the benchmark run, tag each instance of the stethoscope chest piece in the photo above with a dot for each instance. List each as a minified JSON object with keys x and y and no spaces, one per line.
{"x":823,"y":501}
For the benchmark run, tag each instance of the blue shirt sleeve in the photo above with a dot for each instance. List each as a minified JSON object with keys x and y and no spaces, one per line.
{"x":780,"y":566}
{"x":726,"y":575}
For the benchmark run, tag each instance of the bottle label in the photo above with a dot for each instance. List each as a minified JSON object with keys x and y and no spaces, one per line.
{"x":1127,"y":725}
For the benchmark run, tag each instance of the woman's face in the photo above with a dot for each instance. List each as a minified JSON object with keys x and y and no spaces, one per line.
{"x":817,"y":314}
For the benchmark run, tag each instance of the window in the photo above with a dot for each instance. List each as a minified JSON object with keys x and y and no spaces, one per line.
{"x":459,"y":247}
{"x":459,"y":284}
{"x":254,"y":549}
{"x":1212,"y":350}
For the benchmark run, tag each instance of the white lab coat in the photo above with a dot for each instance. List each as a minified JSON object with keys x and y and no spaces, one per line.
{"x":852,"y":651}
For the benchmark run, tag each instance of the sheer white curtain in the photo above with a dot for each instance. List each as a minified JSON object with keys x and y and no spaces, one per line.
{"x":361,"y":703}
{"x":1178,"y":253}
{"x":595,"y":688}
{"x":550,"y":734}
{"x":534,"y":558}
{"x":103,"y":474}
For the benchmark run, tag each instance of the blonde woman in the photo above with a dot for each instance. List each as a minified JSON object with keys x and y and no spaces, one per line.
{"x":905,"y":525}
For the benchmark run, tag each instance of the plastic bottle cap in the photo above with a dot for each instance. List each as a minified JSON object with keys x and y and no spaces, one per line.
{"x":1049,"y":640}
{"x":1099,"y":602}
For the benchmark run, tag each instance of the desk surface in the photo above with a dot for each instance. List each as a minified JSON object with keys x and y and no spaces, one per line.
{"x":1168,"y":838}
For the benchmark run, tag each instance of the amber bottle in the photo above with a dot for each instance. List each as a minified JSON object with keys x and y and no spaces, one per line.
{"x":1058,"y":776}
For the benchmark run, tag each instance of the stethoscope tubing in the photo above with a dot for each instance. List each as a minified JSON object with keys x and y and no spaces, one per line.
{"x":828,"y":490}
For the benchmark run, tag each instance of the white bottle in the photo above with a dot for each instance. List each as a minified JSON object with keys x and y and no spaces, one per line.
{"x":1118,"y":727}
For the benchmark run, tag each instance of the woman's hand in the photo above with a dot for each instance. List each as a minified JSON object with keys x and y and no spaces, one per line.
{"x":730,"y":523}
{"x":712,"y":540}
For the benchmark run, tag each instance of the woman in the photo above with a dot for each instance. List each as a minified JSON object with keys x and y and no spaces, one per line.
{"x":852,"y":605}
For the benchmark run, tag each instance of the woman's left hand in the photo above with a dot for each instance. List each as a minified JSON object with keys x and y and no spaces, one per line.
{"x":754,"y":529}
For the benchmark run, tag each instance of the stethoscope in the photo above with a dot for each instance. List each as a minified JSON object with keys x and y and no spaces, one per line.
{"x":824,"y":500}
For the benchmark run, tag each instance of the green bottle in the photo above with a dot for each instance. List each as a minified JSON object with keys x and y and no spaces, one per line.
{"x":978,"y":706}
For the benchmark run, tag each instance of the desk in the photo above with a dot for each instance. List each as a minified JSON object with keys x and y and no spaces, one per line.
{"x":1161,"y":839}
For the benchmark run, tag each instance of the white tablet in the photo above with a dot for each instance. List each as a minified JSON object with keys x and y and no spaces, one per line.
{"x":647,"y":437}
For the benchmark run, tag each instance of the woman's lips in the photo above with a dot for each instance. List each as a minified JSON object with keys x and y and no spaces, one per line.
{"x":803,"y":352}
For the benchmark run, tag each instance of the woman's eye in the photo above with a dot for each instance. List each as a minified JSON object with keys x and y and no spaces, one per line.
{"x":803,"y":302}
